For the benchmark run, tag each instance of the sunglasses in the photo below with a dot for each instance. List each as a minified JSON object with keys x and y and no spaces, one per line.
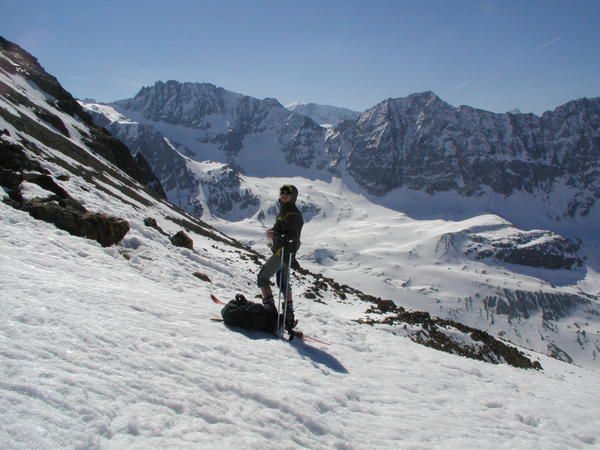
{"x":285,"y":193}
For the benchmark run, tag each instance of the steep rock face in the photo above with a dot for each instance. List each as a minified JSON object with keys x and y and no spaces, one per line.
{"x":224,"y":193}
{"x":533,"y":248}
{"x":169,"y":166}
{"x":394,"y":144}
{"x":423,"y":143}
{"x":186,"y":182}
{"x":14,"y":60}
{"x":181,"y":103}
{"x":572,"y":136}
{"x":522,"y":304}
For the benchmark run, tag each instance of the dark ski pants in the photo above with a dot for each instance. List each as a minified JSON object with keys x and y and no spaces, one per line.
{"x":270,"y":268}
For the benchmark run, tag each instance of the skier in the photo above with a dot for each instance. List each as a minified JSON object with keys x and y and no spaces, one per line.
{"x":285,"y":238}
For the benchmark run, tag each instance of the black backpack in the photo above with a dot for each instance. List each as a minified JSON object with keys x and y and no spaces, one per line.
{"x":249,"y":315}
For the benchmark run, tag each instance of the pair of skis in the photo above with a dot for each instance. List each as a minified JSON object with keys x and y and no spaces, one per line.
{"x":292,"y":334}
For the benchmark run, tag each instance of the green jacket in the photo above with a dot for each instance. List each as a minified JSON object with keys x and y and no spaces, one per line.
{"x":288,"y":227}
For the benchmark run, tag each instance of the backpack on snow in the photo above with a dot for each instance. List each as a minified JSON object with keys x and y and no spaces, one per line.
{"x":249,"y":315}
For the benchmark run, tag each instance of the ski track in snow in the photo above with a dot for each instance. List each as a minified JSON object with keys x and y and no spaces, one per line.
{"x":99,"y":351}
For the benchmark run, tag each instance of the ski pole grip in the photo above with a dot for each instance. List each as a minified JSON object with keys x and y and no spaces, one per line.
{"x":290,"y":245}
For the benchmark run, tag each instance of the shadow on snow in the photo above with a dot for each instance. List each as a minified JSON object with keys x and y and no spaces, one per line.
{"x":307,"y":351}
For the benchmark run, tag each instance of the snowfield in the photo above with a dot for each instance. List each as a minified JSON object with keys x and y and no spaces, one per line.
{"x":104,"y":351}
{"x":395,"y":256}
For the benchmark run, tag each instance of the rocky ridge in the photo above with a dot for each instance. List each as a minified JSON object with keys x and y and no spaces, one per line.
{"x":222,"y":120}
{"x":422,"y":143}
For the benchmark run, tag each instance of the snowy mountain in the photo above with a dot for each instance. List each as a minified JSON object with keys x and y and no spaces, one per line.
{"x":495,"y":162}
{"x":421,"y":143}
{"x":192,"y":185}
{"x":324,"y":115}
{"x":210,"y":123}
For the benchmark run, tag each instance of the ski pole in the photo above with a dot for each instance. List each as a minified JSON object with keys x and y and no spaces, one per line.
{"x":279,"y":326}
{"x":287,"y":282}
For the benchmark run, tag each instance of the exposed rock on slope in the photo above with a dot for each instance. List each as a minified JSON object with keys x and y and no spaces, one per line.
{"x":14,"y":60}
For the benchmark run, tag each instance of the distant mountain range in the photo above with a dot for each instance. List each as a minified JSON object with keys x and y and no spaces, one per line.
{"x":422,"y":143}
{"x":417,"y":143}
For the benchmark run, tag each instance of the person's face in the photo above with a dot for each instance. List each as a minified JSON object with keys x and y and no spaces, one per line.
{"x":285,"y":196}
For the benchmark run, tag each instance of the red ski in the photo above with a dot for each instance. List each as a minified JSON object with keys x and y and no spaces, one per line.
{"x":216,"y":300}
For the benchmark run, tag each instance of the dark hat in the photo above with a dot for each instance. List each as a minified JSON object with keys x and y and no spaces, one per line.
{"x":289,"y":189}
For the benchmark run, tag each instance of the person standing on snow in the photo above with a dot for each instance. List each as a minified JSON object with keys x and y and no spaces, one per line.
{"x":285,"y":236}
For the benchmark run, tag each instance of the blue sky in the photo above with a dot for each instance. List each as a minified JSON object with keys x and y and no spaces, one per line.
{"x":492,"y":54}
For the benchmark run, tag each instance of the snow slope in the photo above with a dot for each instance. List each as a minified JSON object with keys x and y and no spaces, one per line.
{"x":103,"y":351}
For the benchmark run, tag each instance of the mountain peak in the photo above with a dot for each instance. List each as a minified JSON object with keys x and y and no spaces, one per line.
{"x":173,"y":86}
{"x":323,"y":114}
{"x":427,"y":98}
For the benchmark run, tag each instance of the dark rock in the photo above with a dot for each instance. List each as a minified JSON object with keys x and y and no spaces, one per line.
{"x":555,"y":253}
{"x":13,"y":158}
{"x":202,"y":276}
{"x":203,"y":229}
{"x":151,"y":222}
{"x":104,"y":229}
{"x":180,"y":239}
{"x":53,"y":120}
{"x":386,"y":305}
{"x":529,"y":248}
{"x":47,"y":182}
{"x":440,"y":334}
{"x":147,"y":176}
{"x":11,"y":181}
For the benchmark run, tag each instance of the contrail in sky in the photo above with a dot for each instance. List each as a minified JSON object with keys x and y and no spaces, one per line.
{"x":460,"y":86}
{"x":538,"y":48}
{"x":497,"y":74}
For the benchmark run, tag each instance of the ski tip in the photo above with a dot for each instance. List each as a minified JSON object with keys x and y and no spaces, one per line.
{"x":215,"y":299}
{"x":304,"y":338}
